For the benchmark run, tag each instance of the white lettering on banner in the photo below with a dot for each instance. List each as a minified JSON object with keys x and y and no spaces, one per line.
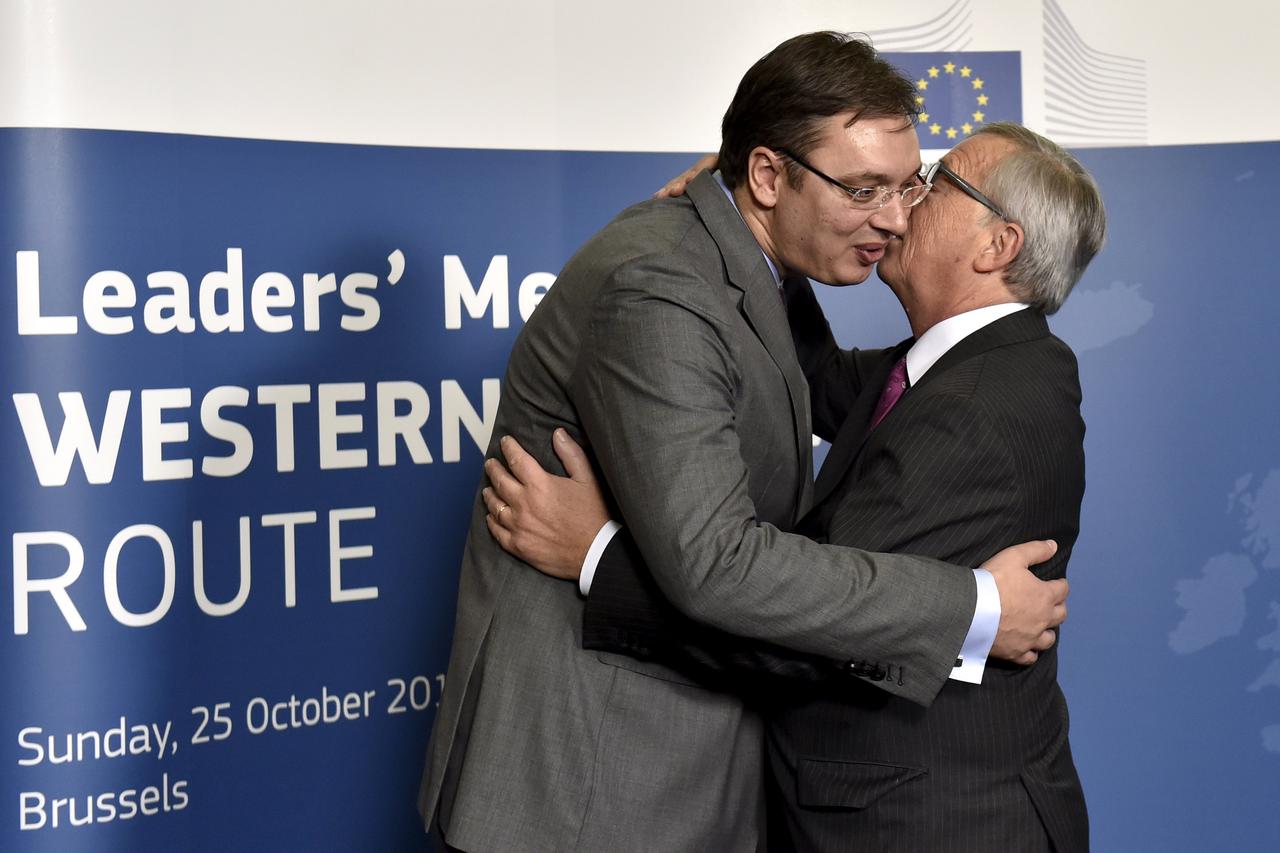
{"x":23,"y":585}
{"x":109,"y":289}
{"x":157,"y":432}
{"x":273,"y":290}
{"x":408,"y":426}
{"x":59,"y":588}
{"x":338,"y":553}
{"x":168,"y":313}
{"x":30,"y":320}
{"x":162,"y":427}
{"x":352,"y":297}
{"x":76,"y":440}
{"x":109,"y":297}
{"x":267,"y":713}
{"x":333,"y":425}
{"x":493,"y":294}
{"x":111,"y":576}
{"x":313,"y":287}
{"x":230,"y":283}
{"x":533,"y":287}
{"x":197,"y":568}
{"x":493,"y":290}
{"x":37,"y":811}
{"x":289,"y":521}
{"x":119,"y":741}
{"x":458,"y":412}
{"x":235,"y":434}
{"x":294,"y":713}
{"x":284,"y":398}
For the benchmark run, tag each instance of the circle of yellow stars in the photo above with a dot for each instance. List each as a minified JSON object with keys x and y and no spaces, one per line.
{"x":949,"y":68}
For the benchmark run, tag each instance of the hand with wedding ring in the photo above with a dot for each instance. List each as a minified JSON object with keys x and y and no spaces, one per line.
{"x":545,"y":520}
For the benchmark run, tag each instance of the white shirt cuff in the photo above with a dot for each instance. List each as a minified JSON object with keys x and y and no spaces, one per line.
{"x":605,"y":536}
{"x":982,"y":633}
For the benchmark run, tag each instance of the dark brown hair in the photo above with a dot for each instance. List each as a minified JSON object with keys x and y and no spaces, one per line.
{"x":785,"y":95}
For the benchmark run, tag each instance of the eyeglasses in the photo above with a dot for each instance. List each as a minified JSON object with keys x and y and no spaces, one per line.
{"x":964,"y":187}
{"x":868,"y":198}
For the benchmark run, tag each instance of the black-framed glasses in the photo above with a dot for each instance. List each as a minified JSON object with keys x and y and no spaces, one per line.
{"x":868,"y":198}
{"x":965,"y":187}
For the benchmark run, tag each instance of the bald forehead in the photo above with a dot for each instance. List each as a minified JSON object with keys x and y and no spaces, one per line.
{"x":975,"y":157}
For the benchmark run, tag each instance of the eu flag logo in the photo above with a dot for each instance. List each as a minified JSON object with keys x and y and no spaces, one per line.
{"x":959,"y":91}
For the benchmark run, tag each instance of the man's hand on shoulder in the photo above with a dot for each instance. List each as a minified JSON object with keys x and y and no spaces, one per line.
{"x":1030,"y":608}
{"x":676,"y":186}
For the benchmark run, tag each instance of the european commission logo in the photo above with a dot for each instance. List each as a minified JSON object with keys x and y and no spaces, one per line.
{"x":959,"y":91}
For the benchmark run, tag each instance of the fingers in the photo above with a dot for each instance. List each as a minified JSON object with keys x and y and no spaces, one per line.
{"x":498,"y":509}
{"x":1042,"y":644}
{"x":1017,"y":558}
{"x":672,"y":188}
{"x":499,"y":533}
{"x":521,"y":465}
{"x":1059,"y":615}
{"x":572,"y":456}
{"x":1058,"y":590}
{"x":676,"y":186}
{"x":1038,"y":551}
{"x":506,"y":487}
{"x":1061,"y":589}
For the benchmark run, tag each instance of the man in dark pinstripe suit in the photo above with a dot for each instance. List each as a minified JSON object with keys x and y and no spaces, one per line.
{"x":984,"y":447}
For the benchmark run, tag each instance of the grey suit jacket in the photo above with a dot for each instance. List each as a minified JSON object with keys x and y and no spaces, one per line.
{"x":664,"y":345}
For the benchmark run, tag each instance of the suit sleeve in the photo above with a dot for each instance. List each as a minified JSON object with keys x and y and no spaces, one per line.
{"x":656,"y":393}
{"x":942,"y":484}
{"x":627,"y":614}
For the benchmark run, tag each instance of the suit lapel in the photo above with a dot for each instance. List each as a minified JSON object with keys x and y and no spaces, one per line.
{"x":761,"y":307}
{"x":853,"y":431}
{"x":1019,"y":327}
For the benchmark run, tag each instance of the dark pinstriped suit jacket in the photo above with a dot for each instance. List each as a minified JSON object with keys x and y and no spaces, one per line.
{"x":984,"y":452}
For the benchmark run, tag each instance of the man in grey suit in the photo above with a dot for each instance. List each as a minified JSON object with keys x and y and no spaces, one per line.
{"x":665,"y":344}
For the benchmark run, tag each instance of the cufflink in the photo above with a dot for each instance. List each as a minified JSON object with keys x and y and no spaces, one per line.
{"x":863,"y":669}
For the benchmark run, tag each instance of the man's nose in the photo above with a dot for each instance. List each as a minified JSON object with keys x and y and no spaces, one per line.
{"x":892,"y":217}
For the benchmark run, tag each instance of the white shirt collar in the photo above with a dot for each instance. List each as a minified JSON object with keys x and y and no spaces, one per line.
{"x":777,"y":279}
{"x":939,"y":338}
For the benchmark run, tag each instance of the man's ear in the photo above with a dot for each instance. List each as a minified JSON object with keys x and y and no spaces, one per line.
{"x":764,"y":174}
{"x":1003,"y":248}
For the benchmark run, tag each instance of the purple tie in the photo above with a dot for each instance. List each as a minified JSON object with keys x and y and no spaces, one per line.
{"x":894,"y":386}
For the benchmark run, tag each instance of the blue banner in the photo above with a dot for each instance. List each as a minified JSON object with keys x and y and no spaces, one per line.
{"x":247,"y":385}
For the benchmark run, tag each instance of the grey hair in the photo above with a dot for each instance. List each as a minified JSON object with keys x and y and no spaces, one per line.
{"x":1046,"y":191}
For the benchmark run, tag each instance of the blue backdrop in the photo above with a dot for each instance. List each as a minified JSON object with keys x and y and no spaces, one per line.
{"x":1170,"y":661}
